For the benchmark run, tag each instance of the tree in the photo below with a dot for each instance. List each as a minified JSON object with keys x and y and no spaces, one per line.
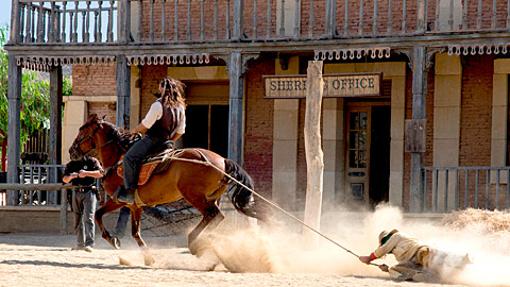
{"x":35,"y":99}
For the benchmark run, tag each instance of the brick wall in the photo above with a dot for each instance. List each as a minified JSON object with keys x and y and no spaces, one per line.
{"x":108,"y":110}
{"x":94,"y":80}
{"x":220,"y":29}
{"x":151,"y":76}
{"x":476,"y":111}
{"x":258,"y":141}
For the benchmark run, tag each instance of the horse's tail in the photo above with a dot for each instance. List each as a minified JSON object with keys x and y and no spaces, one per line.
{"x":242,"y":197}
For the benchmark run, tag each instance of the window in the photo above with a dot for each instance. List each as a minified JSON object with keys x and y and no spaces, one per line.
{"x":358,"y":145}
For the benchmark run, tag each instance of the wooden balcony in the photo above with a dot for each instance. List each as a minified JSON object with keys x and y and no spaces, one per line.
{"x":243,"y":23}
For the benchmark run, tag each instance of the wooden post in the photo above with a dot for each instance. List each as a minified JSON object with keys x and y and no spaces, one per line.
{"x":124,"y":17}
{"x":55,"y":137}
{"x":238,"y":21}
{"x":123,"y":91}
{"x":313,"y":149}
{"x":331,"y":18}
{"x":419,"y":90}
{"x":14,"y":130}
{"x":15,"y":22}
{"x":235,"y":119}
{"x":422,"y":21}
{"x":63,"y":211}
{"x":55,"y":115}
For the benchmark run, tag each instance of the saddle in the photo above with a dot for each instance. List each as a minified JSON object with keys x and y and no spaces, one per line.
{"x":156,"y":162}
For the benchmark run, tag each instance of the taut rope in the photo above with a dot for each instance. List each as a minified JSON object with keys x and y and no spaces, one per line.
{"x":269,"y":202}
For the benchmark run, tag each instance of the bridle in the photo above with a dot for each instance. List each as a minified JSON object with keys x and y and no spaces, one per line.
{"x":90,"y":137}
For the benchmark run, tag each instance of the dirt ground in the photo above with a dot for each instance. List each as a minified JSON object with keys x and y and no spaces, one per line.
{"x":36,"y":260}
{"x":279,"y":256}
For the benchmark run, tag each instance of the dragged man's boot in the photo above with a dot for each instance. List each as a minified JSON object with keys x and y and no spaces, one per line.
{"x":126,"y":195}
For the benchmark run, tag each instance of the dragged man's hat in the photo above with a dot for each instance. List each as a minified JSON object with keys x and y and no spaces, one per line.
{"x":385,"y":235}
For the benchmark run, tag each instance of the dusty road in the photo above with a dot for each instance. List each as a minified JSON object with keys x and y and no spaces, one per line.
{"x":283,"y":257}
{"x":34,"y":260}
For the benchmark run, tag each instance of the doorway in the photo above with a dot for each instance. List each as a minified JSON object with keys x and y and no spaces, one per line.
{"x":368,"y":151}
{"x":380,"y":155}
{"x":207,"y":127}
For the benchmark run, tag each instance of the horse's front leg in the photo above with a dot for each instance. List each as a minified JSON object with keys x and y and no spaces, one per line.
{"x":108,"y":207}
{"x":136,"y":217}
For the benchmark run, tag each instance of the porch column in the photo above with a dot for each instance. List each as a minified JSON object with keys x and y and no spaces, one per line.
{"x":123,"y":91}
{"x":55,"y":144}
{"x":418,"y":109}
{"x":285,"y":140}
{"x":446,"y":138}
{"x":235,"y":118}
{"x":14,"y":130}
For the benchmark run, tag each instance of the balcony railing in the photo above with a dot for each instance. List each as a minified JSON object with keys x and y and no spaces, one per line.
{"x":201,"y":21}
{"x":56,"y":21}
{"x":449,"y":188}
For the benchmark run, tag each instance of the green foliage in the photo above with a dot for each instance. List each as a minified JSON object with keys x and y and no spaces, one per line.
{"x":35,"y":99}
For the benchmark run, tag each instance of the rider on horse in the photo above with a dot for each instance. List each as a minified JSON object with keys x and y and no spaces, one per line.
{"x":165,"y":120}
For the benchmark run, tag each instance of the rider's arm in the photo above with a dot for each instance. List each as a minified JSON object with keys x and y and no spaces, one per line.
{"x":140,"y":128}
{"x":154,"y":114}
{"x":388,"y":246}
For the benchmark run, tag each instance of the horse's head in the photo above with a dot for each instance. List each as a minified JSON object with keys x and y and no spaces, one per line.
{"x":90,"y":135}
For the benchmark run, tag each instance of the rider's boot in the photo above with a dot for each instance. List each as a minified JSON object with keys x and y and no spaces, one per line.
{"x":126,"y":195}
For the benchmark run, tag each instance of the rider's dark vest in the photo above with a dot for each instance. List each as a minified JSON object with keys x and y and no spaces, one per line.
{"x":164,"y":128}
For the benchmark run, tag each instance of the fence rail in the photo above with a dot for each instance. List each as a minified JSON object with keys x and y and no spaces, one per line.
{"x":37,"y":174}
{"x":48,"y":187}
{"x":184,"y":21}
{"x":450,"y":188}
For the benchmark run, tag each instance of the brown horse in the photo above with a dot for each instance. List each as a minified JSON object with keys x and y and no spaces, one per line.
{"x":188,"y":176}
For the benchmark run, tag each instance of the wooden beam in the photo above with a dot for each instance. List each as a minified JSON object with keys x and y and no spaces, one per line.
{"x":235,"y":119}
{"x":123,"y":78}
{"x":313,"y":143}
{"x":109,"y":49}
{"x":14,"y":130}
{"x":55,"y":141}
{"x":419,"y":84}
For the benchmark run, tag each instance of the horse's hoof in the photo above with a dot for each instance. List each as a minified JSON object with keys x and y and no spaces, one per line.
{"x":193,"y":247}
{"x":115,"y":242}
{"x":148,"y":260}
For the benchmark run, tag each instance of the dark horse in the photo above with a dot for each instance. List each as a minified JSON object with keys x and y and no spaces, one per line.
{"x":187,"y":177}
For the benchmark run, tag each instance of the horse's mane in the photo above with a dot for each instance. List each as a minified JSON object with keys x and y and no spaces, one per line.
{"x":119,"y":135}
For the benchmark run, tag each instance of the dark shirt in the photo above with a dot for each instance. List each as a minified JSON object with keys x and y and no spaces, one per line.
{"x":89,"y":164}
{"x":165,"y":128}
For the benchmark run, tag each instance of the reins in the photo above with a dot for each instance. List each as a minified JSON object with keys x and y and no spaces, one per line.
{"x":206,"y":162}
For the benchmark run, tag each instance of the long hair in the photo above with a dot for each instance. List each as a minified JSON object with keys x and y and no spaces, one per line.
{"x":173,"y":92}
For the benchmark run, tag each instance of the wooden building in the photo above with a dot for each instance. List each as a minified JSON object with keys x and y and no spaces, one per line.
{"x":433,"y":137}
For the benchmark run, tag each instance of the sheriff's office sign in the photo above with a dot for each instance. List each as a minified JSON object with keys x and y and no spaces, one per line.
{"x":335,"y":86}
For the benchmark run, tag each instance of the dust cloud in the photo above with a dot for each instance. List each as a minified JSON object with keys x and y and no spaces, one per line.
{"x":484,"y":235}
